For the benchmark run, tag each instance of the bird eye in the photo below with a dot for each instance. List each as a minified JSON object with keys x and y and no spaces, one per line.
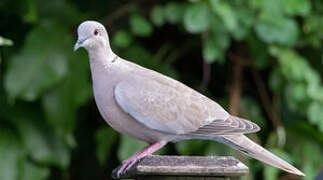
{"x":96,"y":32}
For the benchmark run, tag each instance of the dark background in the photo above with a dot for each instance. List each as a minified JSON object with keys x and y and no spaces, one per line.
{"x":261,"y":60}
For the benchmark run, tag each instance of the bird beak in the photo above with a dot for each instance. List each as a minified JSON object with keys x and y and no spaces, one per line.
{"x":78,"y":44}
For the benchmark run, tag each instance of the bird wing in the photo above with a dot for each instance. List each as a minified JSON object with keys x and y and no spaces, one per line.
{"x":167,"y":105}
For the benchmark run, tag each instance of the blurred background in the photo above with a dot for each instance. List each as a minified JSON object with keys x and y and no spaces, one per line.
{"x":261,"y":60}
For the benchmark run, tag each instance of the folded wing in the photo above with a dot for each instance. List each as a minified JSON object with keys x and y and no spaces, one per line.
{"x":167,"y":105}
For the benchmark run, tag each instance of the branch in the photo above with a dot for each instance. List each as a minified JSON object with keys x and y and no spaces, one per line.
{"x":270,"y":110}
{"x":235,"y":94}
{"x":206,"y":76}
{"x":262,"y":91}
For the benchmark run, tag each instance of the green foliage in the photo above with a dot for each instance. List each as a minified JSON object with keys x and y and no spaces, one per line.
{"x":122,"y":39}
{"x":296,"y":7}
{"x":174,"y":12}
{"x":158,"y":16}
{"x":105,"y":138}
{"x":129,"y":146}
{"x":50,"y":127}
{"x":11,"y":154}
{"x":39,"y":65}
{"x":214,"y":46}
{"x":303,"y":88}
{"x":277,"y":29}
{"x":140,"y":26}
{"x":225,"y":11}
{"x":31,"y":171}
{"x":196,"y":19}
{"x":42,"y":145}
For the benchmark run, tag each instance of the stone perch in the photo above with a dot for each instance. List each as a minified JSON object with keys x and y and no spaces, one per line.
{"x":185,"y":168}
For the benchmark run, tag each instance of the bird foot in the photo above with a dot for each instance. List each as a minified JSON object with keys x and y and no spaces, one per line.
{"x":129,"y":163}
{"x":126,"y":165}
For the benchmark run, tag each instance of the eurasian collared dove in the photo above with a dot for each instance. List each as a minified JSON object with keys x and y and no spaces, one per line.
{"x":154,"y":108}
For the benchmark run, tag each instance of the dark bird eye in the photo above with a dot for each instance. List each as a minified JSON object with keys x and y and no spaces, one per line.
{"x":96,"y":32}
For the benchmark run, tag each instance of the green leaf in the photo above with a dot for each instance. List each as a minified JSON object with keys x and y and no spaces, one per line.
{"x":312,"y":154}
{"x":293,"y":66}
{"x":196,"y":17}
{"x":259,"y":53}
{"x":40,"y":64}
{"x":106,"y":137}
{"x":296,"y":96}
{"x":61,"y":103}
{"x":271,"y":173}
{"x":11,"y":154}
{"x":315,"y":114}
{"x":211,"y":52}
{"x":310,"y":171}
{"x":129,"y":146}
{"x":174,"y":12}
{"x":277,"y":29}
{"x":296,"y":7}
{"x":43,"y":145}
{"x":191,"y":147}
{"x":256,"y":4}
{"x":157,"y":15}
{"x":312,"y":28}
{"x":276,"y":81}
{"x":315,"y":92}
{"x":215,"y":45}
{"x":224,"y":10}
{"x":245,"y":20}
{"x":303,"y":92}
{"x":31,"y":15}
{"x":59,"y":110}
{"x":273,"y":7}
{"x":122,"y":39}
{"x":140,"y":26}
{"x":5,"y":41}
{"x":31,"y":171}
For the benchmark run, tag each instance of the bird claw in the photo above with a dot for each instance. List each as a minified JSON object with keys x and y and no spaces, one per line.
{"x":129,"y":163}
{"x":126,"y":165}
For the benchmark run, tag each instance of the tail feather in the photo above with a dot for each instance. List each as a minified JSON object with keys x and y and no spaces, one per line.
{"x":250,"y":148}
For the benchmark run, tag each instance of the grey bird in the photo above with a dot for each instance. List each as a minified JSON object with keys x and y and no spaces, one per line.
{"x":154,"y":108}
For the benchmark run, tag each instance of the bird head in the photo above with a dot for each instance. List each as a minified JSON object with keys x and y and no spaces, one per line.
{"x":92,"y":35}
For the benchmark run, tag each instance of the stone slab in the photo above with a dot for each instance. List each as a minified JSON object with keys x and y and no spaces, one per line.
{"x":186,"y":166}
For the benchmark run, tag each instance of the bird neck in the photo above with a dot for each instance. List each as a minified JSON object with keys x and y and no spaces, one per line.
{"x":102,"y":57}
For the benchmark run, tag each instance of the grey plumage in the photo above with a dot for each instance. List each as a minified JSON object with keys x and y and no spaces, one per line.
{"x":154,"y":108}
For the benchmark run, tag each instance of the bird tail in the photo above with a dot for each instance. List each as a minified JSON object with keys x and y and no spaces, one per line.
{"x":250,"y":148}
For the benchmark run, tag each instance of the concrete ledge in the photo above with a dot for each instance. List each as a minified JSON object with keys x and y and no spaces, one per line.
{"x":185,"y":166}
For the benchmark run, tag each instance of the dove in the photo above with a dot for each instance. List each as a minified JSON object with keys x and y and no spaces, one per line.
{"x":151,"y":107}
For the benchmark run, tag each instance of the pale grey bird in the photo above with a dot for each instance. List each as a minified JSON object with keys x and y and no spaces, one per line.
{"x":154,"y":108}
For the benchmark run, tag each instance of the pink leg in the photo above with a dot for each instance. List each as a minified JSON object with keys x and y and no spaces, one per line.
{"x":127,"y":164}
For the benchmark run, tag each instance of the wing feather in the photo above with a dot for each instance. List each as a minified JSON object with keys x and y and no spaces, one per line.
{"x":167,"y":105}
{"x":232,"y":125}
